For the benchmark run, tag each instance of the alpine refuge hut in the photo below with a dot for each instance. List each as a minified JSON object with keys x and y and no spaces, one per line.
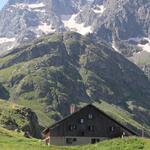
{"x":85,"y":126}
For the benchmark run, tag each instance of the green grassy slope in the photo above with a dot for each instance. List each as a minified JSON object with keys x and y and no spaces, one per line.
{"x":16,"y":117}
{"x":15,"y":141}
{"x":121,"y":144}
{"x":121,"y":116}
{"x":10,"y":140}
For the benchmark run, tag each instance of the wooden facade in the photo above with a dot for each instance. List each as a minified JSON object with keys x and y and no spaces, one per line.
{"x":88,"y":125}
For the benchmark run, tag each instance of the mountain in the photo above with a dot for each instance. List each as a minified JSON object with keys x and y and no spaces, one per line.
{"x":26,"y":20}
{"x":123,"y":23}
{"x":53,"y":72}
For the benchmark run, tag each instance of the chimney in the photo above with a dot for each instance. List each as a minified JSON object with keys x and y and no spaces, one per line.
{"x":72,"y":108}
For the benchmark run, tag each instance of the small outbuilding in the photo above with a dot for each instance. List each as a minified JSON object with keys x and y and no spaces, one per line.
{"x":85,"y":126}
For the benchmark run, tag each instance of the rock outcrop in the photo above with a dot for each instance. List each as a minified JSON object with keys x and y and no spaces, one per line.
{"x":18,"y":118}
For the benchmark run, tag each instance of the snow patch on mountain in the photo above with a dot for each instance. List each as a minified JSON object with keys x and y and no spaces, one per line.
{"x":31,"y":6}
{"x":71,"y":24}
{"x":19,"y":5}
{"x":40,"y":10}
{"x":5,"y":40}
{"x":99,"y":9}
{"x":7,"y":44}
{"x":35,"y":6}
{"x":44,"y":27}
{"x":143,"y":43}
{"x":145,"y":46}
{"x":114,"y":47}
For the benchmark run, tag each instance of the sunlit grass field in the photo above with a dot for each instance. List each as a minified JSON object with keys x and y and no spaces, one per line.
{"x":10,"y":140}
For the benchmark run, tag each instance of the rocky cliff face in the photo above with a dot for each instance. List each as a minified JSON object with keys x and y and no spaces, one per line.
{"x":27,"y":20}
{"x":123,"y":23}
{"x":126,"y":19}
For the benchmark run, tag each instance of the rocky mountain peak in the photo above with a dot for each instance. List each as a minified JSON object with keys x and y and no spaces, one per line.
{"x":98,"y":2}
{"x":11,"y":2}
{"x":122,"y":23}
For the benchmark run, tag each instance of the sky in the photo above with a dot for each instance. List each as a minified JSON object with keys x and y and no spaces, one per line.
{"x":2,"y":3}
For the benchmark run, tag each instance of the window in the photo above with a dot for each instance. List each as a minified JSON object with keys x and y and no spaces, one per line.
{"x":70,"y":140}
{"x":74,"y":139}
{"x":90,"y":116}
{"x":91,"y":128}
{"x":82,"y":133}
{"x":72,"y":127}
{"x":81,"y":120}
{"x":112,"y":129}
{"x":93,"y":141}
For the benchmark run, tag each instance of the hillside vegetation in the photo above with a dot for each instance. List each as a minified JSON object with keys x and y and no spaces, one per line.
{"x":10,"y":140}
{"x":19,"y":118}
{"x":15,"y":141}
{"x":60,"y":69}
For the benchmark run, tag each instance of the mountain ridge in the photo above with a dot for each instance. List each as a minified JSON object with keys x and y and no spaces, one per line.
{"x":118,"y":22}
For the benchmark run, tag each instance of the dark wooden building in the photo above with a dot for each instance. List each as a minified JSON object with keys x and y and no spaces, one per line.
{"x":87,"y":125}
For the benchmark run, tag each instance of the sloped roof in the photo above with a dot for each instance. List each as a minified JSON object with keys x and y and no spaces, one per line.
{"x":89,"y":105}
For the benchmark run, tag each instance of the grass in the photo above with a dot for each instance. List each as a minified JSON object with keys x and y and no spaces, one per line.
{"x":43,"y":117}
{"x":8,"y":113}
{"x":119,"y":114}
{"x":121,"y":144}
{"x":10,"y":140}
{"x":8,"y":105}
{"x":6,"y":73}
{"x":7,"y":58}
